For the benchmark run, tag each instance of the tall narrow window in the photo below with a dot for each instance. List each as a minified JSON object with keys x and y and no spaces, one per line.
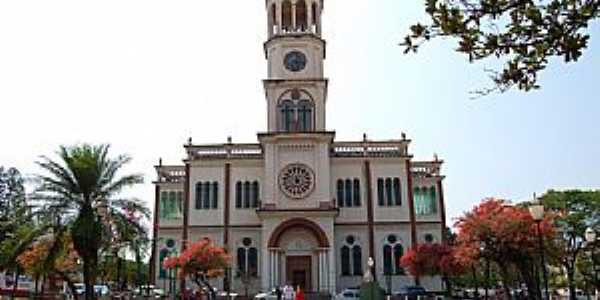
{"x":433,"y":200}
{"x":340,"y":193}
{"x":238,"y":194}
{"x":351,"y":254}
{"x":215,"y":195}
{"x":287,"y":115}
{"x":247,"y":258}
{"x":206,"y":195}
{"x":397,"y":193}
{"x":314,"y":13}
{"x":304,"y":116}
{"x":398,"y":252}
{"x":253,"y":261}
{"x":172,"y":213}
{"x":387,"y":260}
{"x":199,"y":187}
{"x":356,"y":193}
{"x":301,"y":15}
{"x":246,"y":194}
{"x":255,"y":194}
{"x":388,"y":191}
{"x":241,"y":259}
{"x":164,"y":196}
{"x":345,"y":261}
{"x":348,"y":192}
{"x":356,"y":261}
{"x":392,"y":253}
{"x":380,"y":192}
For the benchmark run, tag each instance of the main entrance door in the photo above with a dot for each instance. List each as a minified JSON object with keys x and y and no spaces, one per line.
{"x":298,"y":272}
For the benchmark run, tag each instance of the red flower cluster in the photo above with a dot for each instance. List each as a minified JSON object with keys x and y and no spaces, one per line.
{"x":202,"y":257}
{"x":503,"y":229}
{"x":431,"y":259}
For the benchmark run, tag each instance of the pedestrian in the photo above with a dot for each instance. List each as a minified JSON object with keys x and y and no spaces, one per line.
{"x":299,"y":294}
{"x":288,"y":292}
{"x":278,"y":292}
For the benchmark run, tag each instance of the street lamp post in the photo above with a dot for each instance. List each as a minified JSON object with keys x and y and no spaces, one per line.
{"x":537,"y":213}
{"x":590,"y":238}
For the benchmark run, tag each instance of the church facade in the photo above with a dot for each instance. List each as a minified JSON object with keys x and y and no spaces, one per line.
{"x":299,"y":207}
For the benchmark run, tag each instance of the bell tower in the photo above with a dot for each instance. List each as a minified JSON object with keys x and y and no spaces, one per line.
{"x":295,"y":88}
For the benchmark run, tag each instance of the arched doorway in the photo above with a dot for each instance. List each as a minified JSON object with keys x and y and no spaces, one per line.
{"x":299,"y":255}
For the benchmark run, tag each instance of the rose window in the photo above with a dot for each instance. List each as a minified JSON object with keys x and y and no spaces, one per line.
{"x":296,"y":181}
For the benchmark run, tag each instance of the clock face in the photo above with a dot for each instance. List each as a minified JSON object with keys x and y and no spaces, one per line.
{"x":295,"y":61}
{"x":296,"y":181}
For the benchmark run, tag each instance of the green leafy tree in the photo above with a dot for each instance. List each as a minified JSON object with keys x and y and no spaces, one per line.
{"x":83,"y":187}
{"x":13,"y":204}
{"x":526,"y":34}
{"x":576,"y":210}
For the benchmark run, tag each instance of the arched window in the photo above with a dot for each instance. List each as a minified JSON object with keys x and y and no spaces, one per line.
{"x":348,"y":192}
{"x":247,"y":258}
{"x":398,"y":252}
{"x":345,"y":261}
{"x":356,"y":261}
{"x":286,"y":12}
{"x":286,"y":112}
{"x":351,"y":255}
{"x":392,"y":253}
{"x":340,"y":192}
{"x":238,"y":194}
{"x":296,"y":111}
{"x":301,"y":15}
{"x":305,"y":115}
{"x":356,"y":193}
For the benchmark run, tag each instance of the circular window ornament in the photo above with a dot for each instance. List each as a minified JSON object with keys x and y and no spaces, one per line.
{"x":295,"y":61}
{"x":296,"y":181}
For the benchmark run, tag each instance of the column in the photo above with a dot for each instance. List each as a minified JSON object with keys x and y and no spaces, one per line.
{"x":293,"y":17}
{"x":279,"y":11}
{"x":274,"y":259}
{"x":309,"y":17}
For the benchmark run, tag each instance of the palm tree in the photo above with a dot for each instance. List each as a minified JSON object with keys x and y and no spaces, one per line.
{"x":83,"y":187}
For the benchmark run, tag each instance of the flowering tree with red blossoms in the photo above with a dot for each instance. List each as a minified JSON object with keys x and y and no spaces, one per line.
{"x":506,"y":235}
{"x":201,"y":261}
{"x":432,"y":259}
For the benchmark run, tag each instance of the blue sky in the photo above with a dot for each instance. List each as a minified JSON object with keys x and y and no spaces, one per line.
{"x":145,"y":75}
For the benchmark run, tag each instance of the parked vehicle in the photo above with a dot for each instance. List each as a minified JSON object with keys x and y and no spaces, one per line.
{"x":348,"y":294}
{"x":149,"y":291}
{"x":270,"y":295}
{"x":411,"y":292}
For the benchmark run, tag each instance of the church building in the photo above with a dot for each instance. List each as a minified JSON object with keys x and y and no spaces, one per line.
{"x":298,"y":206}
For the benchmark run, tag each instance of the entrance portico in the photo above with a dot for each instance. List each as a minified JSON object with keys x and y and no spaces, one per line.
{"x":299,"y":255}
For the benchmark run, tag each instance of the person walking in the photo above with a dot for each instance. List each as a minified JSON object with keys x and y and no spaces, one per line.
{"x":299,"y":294}
{"x":288,"y":292}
